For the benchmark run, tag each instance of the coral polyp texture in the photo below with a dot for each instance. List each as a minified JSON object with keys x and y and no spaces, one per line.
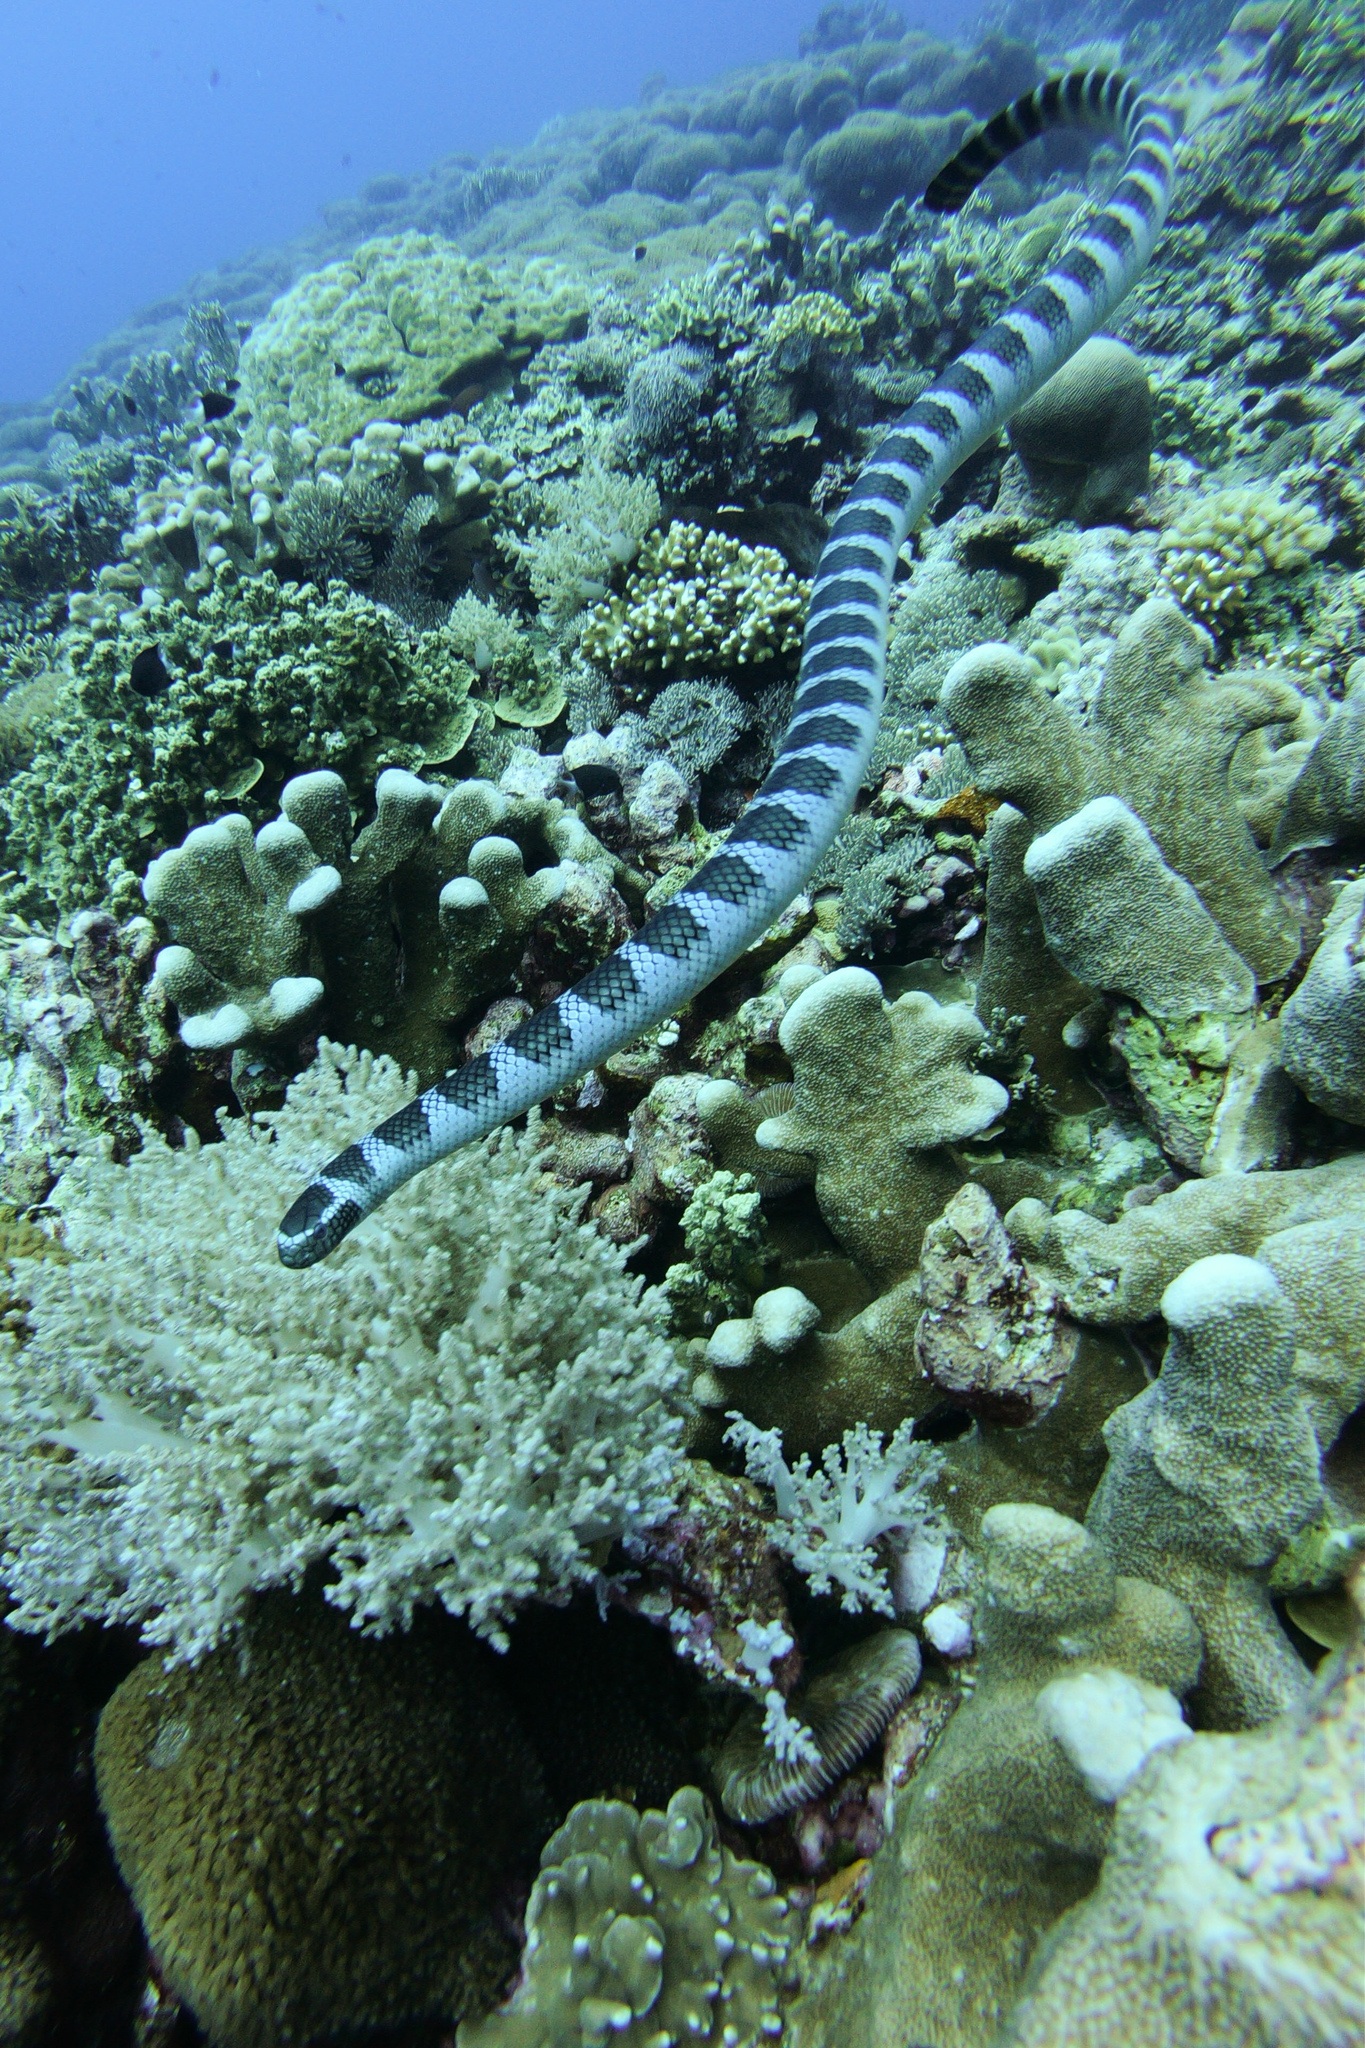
{"x":826,"y":738}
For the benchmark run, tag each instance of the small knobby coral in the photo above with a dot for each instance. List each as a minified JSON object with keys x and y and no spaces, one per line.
{"x":453,"y":1408}
{"x":699,"y":600}
{"x":1228,"y":537}
{"x":829,"y":1519}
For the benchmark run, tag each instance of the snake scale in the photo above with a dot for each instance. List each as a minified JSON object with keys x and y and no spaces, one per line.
{"x":777,"y":842}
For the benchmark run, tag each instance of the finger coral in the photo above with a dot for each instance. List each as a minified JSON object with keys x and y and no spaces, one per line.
{"x":457,"y":1411}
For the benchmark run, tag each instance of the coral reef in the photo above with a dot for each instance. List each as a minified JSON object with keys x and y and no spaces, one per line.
{"x":458,"y":1412}
{"x":399,"y":331}
{"x":701,"y":601}
{"x":1085,"y":439}
{"x":1323,"y":1042}
{"x":1228,"y":1908}
{"x":316,"y":1829}
{"x":999,"y":1831}
{"x":393,"y":933}
{"x":1212,"y":1472}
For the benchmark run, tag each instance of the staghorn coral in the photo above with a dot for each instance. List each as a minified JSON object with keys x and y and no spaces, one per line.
{"x":1228,"y":1908}
{"x":699,"y":601}
{"x":644,"y":1926}
{"x":181,"y":1427}
{"x":315,"y":1828}
{"x":998,"y":1832}
{"x":1212,"y":1471}
{"x":1226,"y":539}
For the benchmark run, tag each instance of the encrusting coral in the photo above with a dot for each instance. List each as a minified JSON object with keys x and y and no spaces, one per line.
{"x":458,"y":1409}
{"x":999,"y":1831}
{"x":316,"y":1829}
{"x":645,"y":1928}
{"x":1212,"y":1471}
{"x":397,"y":331}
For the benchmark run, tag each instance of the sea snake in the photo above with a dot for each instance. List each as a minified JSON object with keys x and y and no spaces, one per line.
{"x":775,"y":845}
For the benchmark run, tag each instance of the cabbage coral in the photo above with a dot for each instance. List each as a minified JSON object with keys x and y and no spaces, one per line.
{"x":454,"y":1408}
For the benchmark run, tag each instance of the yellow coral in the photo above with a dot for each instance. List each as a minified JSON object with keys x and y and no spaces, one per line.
{"x":1229,"y":537}
{"x":699,"y":600}
{"x":817,"y":317}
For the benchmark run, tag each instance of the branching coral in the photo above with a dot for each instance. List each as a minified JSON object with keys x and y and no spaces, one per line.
{"x":830,"y":1518}
{"x":1228,"y":538}
{"x":1211,"y":1472}
{"x":456,"y":1409}
{"x":699,"y":600}
{"x":399,"y":928}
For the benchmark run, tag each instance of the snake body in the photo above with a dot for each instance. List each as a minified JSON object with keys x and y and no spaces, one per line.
{"x":777,"y":842}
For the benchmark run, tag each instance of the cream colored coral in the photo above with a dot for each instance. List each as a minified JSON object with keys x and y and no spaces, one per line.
{"x":1229,"y":537}
{"x":699,"y":600}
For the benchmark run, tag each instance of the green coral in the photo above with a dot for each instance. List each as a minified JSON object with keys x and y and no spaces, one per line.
{"x":700,"y":600}
{"x":395,"y":332}
{"x":644,"y":1928}
{"x":727,"y":1240}
{"x":525,"y":688}
{"x":265,"y":679}
{"x":814,"y":317}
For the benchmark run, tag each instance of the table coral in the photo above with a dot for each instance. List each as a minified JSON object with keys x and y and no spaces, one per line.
{"x":998,"y":1832}
{"x":315,"y":1827}
{"x":397,"y":331}
{"x":456,"y":1411}
{"x":644,"y":1926}
{"x":1212,"y":1471}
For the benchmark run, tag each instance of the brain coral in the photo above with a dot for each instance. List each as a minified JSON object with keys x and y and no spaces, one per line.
{"x":455,"y":1408}
{"x":396,"y":332}
{"x":314,"y":1833}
